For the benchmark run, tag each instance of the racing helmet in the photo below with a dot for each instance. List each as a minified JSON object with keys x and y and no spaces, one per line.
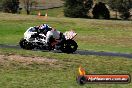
{"x":44,"y":26}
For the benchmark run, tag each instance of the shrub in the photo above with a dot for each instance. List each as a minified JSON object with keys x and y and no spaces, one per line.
{"x":10,"y":6}
{"x":100,"y":11}
{"x":77,"y":8}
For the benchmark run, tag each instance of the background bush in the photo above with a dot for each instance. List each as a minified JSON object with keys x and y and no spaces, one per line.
{"x":77,"y":8}
{"x":10,"y":6}
{"x":100,"y":11}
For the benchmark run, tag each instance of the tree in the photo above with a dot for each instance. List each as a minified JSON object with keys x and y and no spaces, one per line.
{"x":100,"y":11}
{"x":77,"y":8}
{"x":10,"y":6}
{"x":28,"y":5}
{"x":0,"y":5}
{"x":121,"y":6}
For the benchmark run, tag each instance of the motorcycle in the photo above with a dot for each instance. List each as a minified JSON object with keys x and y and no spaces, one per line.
{"x":34,"y":40}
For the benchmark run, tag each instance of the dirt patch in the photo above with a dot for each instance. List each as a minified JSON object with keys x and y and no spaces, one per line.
{"x":27,"y":59}
{"x":2,"y":58}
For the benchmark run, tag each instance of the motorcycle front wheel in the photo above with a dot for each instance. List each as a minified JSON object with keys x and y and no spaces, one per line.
{"x":68,"y":46}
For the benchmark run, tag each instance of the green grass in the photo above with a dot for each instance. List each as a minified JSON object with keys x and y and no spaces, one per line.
{"x":97,"y":35}
{"x":55,"y":12}
{"x":61,"y":74}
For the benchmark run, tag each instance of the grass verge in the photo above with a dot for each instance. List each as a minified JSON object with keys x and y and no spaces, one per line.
{"x":98,"y":35}
{"x":61,"y":74}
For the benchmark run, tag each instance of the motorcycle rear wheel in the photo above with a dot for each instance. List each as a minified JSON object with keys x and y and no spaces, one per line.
{"x":25,"y":44}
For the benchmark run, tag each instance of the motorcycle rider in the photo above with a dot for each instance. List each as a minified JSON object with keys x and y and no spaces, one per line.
{"x":53,"y":35}
{"x":44,"y":28}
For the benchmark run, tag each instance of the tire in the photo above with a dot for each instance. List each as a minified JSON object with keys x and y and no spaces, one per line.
{"x":81,"y":80}
{"x":25,"y":44}
{"x":68,"y":46}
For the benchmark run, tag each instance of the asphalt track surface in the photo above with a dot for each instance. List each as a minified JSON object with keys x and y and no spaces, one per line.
{"x":80,"y":52}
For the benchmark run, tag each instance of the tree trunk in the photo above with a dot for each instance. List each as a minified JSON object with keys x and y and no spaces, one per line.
{"x":28,"y":12}
{"x":116,"y":14}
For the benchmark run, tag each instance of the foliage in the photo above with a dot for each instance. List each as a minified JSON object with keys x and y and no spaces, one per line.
{"x":77,"y":8}
{"x":122,"y":6}
{"x":100,"y":11}
{"x":125,"y":15}
{"x":10,"y":6}
{"x":28,"y":5}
